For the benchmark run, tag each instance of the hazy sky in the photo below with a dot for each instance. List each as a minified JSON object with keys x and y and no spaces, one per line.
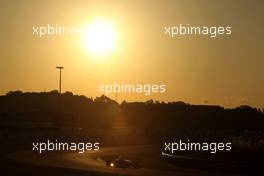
{"x":227,"y":70}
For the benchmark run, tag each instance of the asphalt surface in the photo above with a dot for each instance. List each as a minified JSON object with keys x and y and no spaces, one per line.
{"x":93,"y":162}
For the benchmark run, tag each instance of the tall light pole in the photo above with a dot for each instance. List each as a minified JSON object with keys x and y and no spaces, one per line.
{"x":60,"y":67}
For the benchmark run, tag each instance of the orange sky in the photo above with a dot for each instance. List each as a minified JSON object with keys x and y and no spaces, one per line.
{"x":227,"y":70}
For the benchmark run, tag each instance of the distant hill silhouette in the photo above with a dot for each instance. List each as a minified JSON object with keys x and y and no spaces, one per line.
{"x":18,"y":108}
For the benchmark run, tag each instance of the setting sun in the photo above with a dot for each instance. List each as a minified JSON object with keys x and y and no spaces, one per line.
{"x":100,"y":38}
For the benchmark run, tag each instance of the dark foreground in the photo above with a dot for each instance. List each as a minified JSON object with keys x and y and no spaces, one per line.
{"x":68,"y":163}
{"x":18,"y":169}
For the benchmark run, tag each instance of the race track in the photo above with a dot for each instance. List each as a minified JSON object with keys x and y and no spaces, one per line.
{"x":92,"y":161}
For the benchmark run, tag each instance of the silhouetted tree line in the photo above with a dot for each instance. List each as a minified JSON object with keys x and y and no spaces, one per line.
{"x":178,"y":115}
{"x":18,"y":109}
{"x":59,"y":109}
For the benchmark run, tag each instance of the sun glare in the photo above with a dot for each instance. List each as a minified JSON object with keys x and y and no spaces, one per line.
{"x":100,"y":39}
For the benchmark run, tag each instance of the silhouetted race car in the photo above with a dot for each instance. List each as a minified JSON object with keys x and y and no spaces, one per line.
{"x":122,"y":163}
